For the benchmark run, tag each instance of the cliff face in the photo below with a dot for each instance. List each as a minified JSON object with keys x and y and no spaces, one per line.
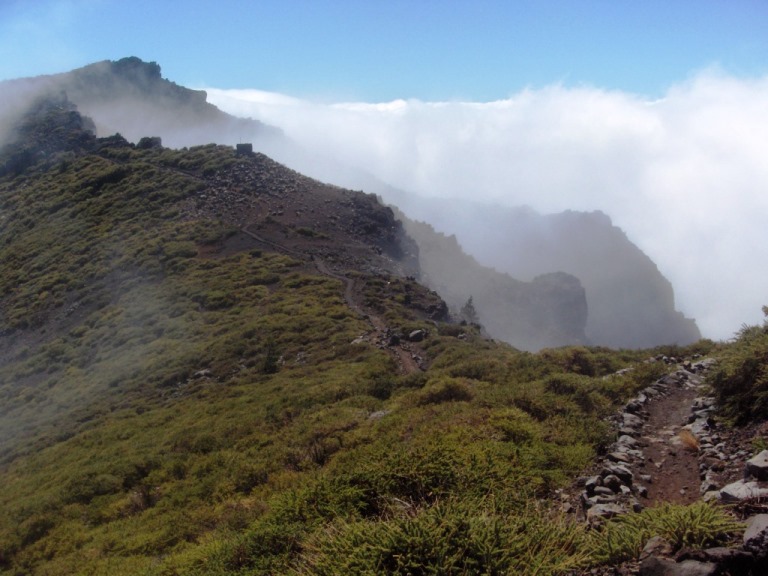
{"x":631,"y":304}
{"x":550,"y":310}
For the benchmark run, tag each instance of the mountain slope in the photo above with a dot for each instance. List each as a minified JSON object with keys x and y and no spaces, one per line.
{"x":549,"y":311}
{"x":630,"y":302}
{"x":212,"y":364}
{"x":130,"y":96}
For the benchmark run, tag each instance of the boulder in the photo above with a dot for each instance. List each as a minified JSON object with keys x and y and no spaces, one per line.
{"x":622,"y":472}
{"x":742,"y":490}
{"x":756,"y":536}
{"x":757,"y":466}
{"x":600,"y":512}
{"x":417,"y":336}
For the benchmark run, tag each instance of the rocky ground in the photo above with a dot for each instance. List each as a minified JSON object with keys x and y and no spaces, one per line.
{"x":671,"y":448}
{"x":332,"y":230}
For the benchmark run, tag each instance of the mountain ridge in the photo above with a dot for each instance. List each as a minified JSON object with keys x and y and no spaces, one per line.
{"x":131,"y":79}
{"x":212,"y":364}
{"x":200,"y":203}
{"x":631,"y":304}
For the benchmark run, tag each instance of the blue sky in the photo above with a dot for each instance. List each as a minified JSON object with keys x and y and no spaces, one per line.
{"x":371,"y":50}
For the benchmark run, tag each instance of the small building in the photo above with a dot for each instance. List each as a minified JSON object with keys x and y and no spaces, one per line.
{"x":244,"y":149}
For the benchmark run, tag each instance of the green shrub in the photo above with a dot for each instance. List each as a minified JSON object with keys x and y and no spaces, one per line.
{"x":699,"y":525}
{"x":740,"y":379}
{"x":516,"y":425}
{"x":445,"y":390}
{"x":447,"y":538}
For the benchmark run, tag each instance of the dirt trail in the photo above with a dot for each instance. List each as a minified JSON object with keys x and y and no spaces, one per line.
{"x":401,"y":352}
{"x":673,"y":466}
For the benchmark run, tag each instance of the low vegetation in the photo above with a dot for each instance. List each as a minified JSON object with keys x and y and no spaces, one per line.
{"x":741,"y":379}
{"x":167,"y":409}
{"x":699,"y":525}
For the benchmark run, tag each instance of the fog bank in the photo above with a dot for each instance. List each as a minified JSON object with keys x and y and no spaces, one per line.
{"x":685,"y":175}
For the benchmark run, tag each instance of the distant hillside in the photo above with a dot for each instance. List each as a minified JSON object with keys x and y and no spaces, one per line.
{"x":630,"y":303}
{"x":90,"y":221}
{"x":130,"y":96}
{"x":549,"y":311}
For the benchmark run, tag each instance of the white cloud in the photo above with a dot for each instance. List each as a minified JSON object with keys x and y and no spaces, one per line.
{"x":686,"y":176}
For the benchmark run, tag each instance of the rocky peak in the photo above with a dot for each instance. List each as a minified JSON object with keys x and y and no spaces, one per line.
{"x":51,"y":126}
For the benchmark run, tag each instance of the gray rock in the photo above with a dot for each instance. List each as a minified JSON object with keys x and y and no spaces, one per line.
{"x":603,"y":491}
{"x":599,"y":500}
{"x":708,"y":484}
{"x":627,"y":431}
{"x":757,"y":466}
{"x":626,"y":440}
{"x":632,"y":421}
{"x":653,"y":566}
{"x":756,"y":536}
{"x":621,"y":457}
{"x":742,"y":490}
{"x":729,"y":560}
{"x":756,"y":525}
{"x":612,"y":482}
{"x":656,"y":546}
{"x":624,"y":474}
{"x":417,"y":336}
{"x":600,"y":512}
{"x":633,"y":407}
{"x":591,"y":483}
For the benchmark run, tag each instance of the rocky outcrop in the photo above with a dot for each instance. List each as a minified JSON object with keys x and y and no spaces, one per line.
{"x":659,"y":559}
{"x":549,"y":311}
{"x":631,"y":304}
{"x":51,"y":127}
{"x":131,"y":97}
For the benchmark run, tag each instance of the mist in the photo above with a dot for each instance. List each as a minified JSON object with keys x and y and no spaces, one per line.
{"x":684,"y":175}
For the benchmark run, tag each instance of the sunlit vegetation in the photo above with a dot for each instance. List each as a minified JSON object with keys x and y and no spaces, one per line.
{"x":741,"y":379}
{"x":168,"y":412}
{"x":699,"y":525}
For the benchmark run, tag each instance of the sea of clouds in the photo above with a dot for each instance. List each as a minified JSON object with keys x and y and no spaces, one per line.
{"x":684,"y":175}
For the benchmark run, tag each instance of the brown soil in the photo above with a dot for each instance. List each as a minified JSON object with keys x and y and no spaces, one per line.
{"x":673,"y":466}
